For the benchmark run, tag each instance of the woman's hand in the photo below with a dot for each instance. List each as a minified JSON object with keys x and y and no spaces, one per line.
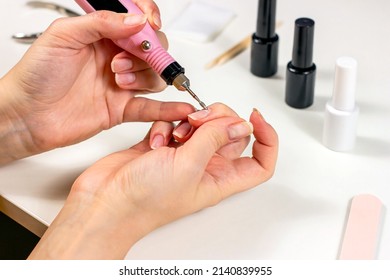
{"x":128,"y":194}
{"x":64,"y":90}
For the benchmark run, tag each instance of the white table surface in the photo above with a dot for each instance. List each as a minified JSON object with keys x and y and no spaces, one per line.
{"x":301,"y":212}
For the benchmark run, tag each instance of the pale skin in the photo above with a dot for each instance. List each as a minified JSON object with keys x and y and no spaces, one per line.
{"x":64,"y":85}
{"x":72,"y":88}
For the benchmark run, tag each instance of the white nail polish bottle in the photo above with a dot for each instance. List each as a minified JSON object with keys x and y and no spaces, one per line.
{"x":341,"y":112}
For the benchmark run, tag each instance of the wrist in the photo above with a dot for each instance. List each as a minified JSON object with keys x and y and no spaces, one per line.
{"x":88,"y":228}
{"x":14,"y":135}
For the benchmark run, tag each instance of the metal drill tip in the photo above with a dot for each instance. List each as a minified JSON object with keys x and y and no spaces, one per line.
{"x":201,"y":103}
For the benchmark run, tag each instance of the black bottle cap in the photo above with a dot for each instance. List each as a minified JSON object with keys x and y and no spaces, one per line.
{"x":302,"y":56}
{"x":266,"y":14}
{"x":265,"y":42}
{"x":301,"y":71}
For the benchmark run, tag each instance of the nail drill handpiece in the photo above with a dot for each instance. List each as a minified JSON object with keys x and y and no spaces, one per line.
{"x":145,"y":45}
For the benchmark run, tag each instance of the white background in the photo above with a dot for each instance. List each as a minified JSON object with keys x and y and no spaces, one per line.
{"x":301,"y":212}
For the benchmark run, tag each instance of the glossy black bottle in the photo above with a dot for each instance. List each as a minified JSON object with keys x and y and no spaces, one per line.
{"x":265,"y":42}
{"x":301,"y":71}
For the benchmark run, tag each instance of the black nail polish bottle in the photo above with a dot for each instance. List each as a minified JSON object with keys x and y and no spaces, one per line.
{"x":301,"y":71}
{"x":265,"y":42}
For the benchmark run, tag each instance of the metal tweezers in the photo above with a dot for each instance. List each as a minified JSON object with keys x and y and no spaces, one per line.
{"x":30,"y":38}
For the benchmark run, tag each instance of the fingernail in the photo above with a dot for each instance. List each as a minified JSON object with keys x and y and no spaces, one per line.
{"x":258,"y":112}
{"x":124,"y":79}
{"x":182,"y":130}
{"x":157,"y":142}
{"x":121,"y":64}
{"x":201,"y":114}
{"x":157,"y":20}
{"x":240,"y":130}
{"x":134,"y":19}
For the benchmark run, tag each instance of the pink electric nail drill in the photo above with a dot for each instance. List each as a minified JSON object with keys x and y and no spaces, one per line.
{"x":145,"y":45}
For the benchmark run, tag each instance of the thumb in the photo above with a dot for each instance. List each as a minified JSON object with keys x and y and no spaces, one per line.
{"x":78,"y":32}
{"x":212,"y":136}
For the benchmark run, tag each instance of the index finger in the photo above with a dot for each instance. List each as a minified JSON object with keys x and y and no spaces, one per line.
{"x":146,"y":110}
{"x":78,"y":32}
{"x":152,"y":11}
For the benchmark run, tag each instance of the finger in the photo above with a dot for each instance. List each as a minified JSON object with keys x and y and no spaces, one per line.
{"x":214,"y":111}
{"x":147,"y":110}
{"x":183,"y":131}
{"x":160,"y":134}
{"x":211,"y":137}
{"x":258,"y":169}
{"x":265,"y":148}
{"x":78,"y":32}
{"x":151,"y":10}
{"x":141,"y":81}
{"x":125,"y":62}
{"x":234,"y":150}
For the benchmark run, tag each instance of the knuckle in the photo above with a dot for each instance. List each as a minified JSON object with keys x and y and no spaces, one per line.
{"x":101,"y":15}
{"x":216,"y":138}
{"x":57,"y":24}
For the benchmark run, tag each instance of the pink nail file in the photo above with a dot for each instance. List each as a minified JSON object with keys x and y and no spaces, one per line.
{"x":363,"y":228}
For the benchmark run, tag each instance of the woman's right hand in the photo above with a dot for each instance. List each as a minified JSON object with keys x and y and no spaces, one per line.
{"x":64,"y":91}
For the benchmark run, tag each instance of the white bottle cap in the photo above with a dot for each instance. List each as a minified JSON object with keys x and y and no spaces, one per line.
{"x":341,"y":113}
{"x":344,"y":84}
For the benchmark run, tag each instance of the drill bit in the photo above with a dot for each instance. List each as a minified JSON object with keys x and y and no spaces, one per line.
{"x":201,"y":103}
{"x":181,"y":82}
